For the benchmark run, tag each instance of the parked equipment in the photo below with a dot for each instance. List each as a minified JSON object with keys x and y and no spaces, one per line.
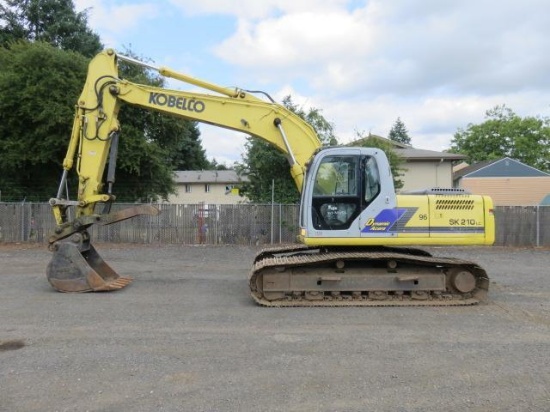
{"x":355,"y":231}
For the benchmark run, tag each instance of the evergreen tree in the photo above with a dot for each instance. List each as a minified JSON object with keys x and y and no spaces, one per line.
{"x":399,"y":133}
{"x":264,"y":166}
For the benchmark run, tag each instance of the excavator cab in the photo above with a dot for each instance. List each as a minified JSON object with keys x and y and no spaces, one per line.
{"x":343,"y":185}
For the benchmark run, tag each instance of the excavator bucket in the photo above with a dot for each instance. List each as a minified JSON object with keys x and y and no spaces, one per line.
{"x":76,"y":266}
{"x":72,"y":270}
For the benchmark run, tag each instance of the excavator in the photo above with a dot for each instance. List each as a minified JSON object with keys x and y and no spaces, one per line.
{"x":356,"y":235}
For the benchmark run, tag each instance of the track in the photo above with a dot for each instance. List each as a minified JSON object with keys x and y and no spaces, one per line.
{"x":306,"y":276}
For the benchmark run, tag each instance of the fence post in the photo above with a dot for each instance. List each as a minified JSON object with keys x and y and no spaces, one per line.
{"x":23,"y":237}
{"x":272,"y":208}
{"x":280,"y":223}
{"x":538,"y":226}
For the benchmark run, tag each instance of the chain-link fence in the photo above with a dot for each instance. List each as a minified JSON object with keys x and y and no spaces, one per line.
{"x":247,"y":224}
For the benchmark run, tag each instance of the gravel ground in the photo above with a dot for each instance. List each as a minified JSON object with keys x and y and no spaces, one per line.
{"x":185,"y":336}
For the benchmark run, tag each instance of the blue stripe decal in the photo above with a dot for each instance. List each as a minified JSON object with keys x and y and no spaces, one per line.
{"x":384,"y":221}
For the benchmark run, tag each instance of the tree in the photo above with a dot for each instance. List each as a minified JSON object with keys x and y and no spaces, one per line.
{"x":395,"y":161}
{"x":265,"y":165}
{"x":214,"y":165}
{"x":505,"y":134}
{"x":399,"y":133}
{"x":52,"y":21}
{"x":42,"y":76}
{"x":39,"y":85}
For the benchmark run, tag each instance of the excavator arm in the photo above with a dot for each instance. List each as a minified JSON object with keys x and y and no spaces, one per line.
{"x":94,"y":144}
{"x":96,"y":128}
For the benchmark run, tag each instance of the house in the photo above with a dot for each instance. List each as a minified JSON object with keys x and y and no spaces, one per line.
{"x":207,"y":186}
{"x":423,"y":169}
{"x":427,"y":168}
{"x":509,"y":182}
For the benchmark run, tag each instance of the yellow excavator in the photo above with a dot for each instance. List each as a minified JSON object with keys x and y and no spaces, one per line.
{"x":355,"y":232}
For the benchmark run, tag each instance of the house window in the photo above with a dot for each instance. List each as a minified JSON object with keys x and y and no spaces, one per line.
{"x":187,"y":188}
{"x":207,"y":188}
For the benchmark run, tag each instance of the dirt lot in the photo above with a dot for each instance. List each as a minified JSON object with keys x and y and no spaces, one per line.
{"x":185,"y":336}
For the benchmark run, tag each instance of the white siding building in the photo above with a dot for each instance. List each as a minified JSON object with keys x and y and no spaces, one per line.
{"x":207,"y":186}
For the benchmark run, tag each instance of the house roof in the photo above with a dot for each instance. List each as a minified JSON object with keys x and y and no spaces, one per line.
{"x":505,"y":167}
{"x":423,"y":154}
{"x":410,"y":153}
{"x":472,"y":168}
{"x":208,"y":176}
{"x":360,"y":142}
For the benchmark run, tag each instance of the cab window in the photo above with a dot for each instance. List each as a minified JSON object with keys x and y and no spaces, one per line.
{"x":336,"y":198}
{"x":336,"y":176}
{"x":372,"y":180}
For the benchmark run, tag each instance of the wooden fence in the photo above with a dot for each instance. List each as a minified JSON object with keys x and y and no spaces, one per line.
{"x":235,"y":224}
{"x":522,"y":225}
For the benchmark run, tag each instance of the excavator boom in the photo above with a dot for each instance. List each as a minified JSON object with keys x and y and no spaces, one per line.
{"x":76,"y":266}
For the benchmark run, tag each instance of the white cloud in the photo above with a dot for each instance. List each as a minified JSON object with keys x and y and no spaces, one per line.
{"x":111,"y":20}
{"x":431,"y":120}
{"x":295,"y":42}
{"x":438,"y":65}
{"x":387,"y":47}
{"x":226,"y":146}
{"x":254,"y":9}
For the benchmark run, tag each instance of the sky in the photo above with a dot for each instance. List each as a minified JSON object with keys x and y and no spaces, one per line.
{"x":438,"y":65}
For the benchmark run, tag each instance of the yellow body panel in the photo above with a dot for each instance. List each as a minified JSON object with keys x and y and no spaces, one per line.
{"x":422,"y":220}
{"x":396,"y":241}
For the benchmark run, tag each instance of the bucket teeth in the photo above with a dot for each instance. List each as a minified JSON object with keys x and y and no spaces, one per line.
{"x":114,"y":284}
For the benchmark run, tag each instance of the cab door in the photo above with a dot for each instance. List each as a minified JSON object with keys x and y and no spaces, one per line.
{"x":345,"y":189}
{"x":336,"y":199}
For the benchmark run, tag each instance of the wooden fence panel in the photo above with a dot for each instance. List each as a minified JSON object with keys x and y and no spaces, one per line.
{"x":245,"y":224}
{"x":515,"y":226}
